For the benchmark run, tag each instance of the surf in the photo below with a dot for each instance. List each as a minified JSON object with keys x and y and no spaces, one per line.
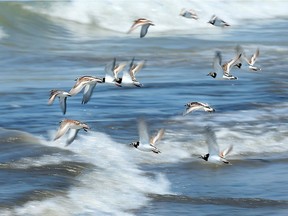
{"x":82,"y":18}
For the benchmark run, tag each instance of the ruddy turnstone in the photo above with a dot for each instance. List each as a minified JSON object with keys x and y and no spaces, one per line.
{"x":188,"y":13}
{"x":88,"y":83}
{"x":192,"y":106}
{"x":214,"y":154}
{"x":62,"y":95}
{"x":225,"y":68}
{"x":74,"y":126}
{"x":112,"y":71}
{"x":145,"y":144}
{"x":144,"y":23}
{"x":129,"y":78}
{"x":216,"y":21}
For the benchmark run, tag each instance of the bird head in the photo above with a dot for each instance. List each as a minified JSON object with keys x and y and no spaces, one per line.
{"x":204,"y":157}
{"x":212,"y":74}
{"x":135,"y":144}
{"x":85,"y":127}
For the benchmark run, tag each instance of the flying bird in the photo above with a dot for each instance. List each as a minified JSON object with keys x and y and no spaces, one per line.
{"x":88,"y":83}
{"x":112,"y":70}
{"x":144,"y":23}
{"x":214,"y":155}
{"x":145,"y":143}
{"x":216,"y":21}
{"x":188,"y":13}
{"x":74,"y":126}
{"x":62,"y":95}
{"x":192,"y":106}
{"x":251,"y":61}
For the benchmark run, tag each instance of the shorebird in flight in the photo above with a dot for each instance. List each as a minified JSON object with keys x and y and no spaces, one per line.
{"x":214,"y":155}
{"x":144,"y":23}
{"x":112,"y":71}
{"x":62,"y":95}
{"x":188,"y":13}
{"x":216,"y":21}
{"x":74,"y":126}
{"x":88,"y":83}
{"x":145,"y":143}
{"x":192,"y":106}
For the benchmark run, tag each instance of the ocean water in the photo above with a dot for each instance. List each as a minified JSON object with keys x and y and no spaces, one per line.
{"x":45,"y":45}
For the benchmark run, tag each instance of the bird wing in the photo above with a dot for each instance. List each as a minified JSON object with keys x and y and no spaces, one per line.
{"x":131,"y":66}
{"x":134,"y":26}
{"x":62,"y":101}
{"x":143,"y":132}
{"x":226,"y":151}
{"x":217,"y":62}
{"x":213,"y":148}
{"x":118,"y":69}
{"x":52,"y":97}
{"x":144,"y":30}
{"x":191,"y":108}
{"x":79,"y":85}
{"x":109,"y":68}
{"x":88,"y":91}
{"x":63,"y":128}
{"x":239,"y":50}
{"x":72,"y":135}
{"x":213,"y":18}
{"x":254,"y":57}
{"x":227,"y":66}
{"x":157,"y":137}
{"x":135,"y":69}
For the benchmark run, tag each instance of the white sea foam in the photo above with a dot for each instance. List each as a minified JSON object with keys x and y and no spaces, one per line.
{"x":251,"y":132}
{"x":116,"y":186}
{"x":2,"y":33}
{"x":118,"y":16}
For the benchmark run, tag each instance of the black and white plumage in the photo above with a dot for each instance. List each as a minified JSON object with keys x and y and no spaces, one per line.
{"x":188,"y":13}
{"x":129,"y":77}
{"x":112,"y":71}
{"x":144,"y":23}
{"x":88,"y":83}
{"x":62,"y":95}
{"x":212,"y":74}
{"x":214,"y":154}
{"x":74,"y":126}
{"x":216,"y":21}
{"x":192,"y":106}
{"x":225,"y":68}
{"x":251,"y":61}
{"x":145,"y":143}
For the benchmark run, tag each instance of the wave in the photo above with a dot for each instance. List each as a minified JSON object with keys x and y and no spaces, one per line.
{"x":239,"y":202}
{"x":253,"y":132}
{"x":109,"y":174}
{"x":113,"y":183}
{"x":2,"y":33}
{"x":15,"y":136}
{"x":116,"y":17}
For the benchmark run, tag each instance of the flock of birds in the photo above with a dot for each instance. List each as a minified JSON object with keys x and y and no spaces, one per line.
{"x":113,"y":69}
